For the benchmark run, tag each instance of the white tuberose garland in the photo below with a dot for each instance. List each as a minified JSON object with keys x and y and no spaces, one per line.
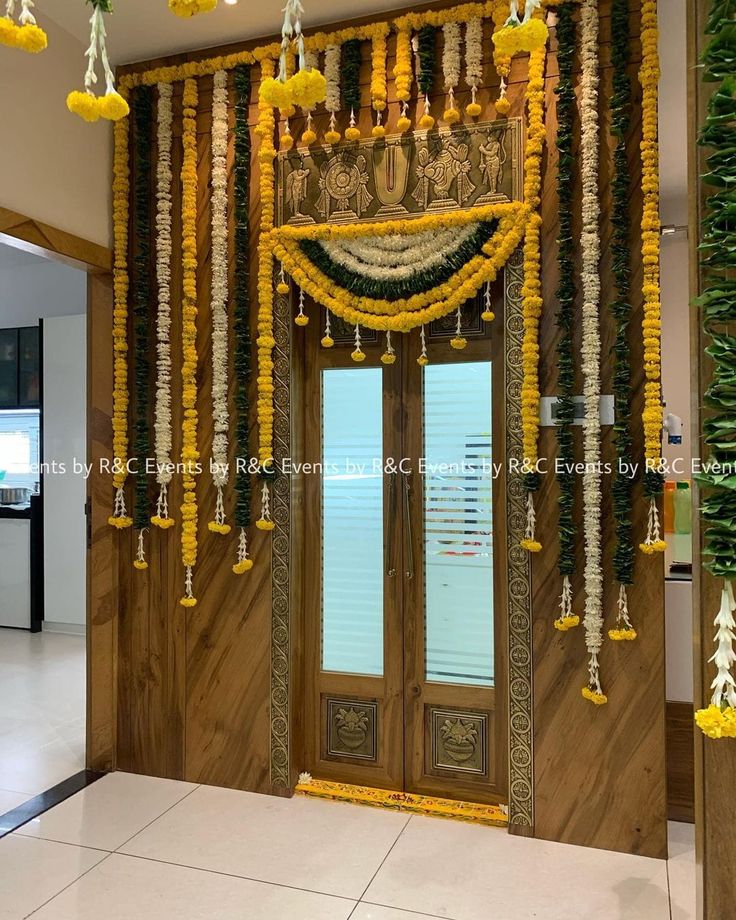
{"x":590,"y":245}
{"x":451,"y":67}
{"x":220,"y":411}
{"x":162,"y":422}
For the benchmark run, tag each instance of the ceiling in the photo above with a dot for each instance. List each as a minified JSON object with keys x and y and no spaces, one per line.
{"x":143,"y":29}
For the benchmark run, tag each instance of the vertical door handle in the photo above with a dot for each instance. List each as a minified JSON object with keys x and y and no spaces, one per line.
{"x":409,"y":532}
{"x":390,"y":567}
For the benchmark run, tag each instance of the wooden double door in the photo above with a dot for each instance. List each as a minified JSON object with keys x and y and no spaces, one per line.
{"x":404,"y":640}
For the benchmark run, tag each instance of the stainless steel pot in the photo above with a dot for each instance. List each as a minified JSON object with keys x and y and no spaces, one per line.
{"x":10,"y":496}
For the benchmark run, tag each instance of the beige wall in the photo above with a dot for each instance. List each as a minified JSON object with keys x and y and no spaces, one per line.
{"x":53,"y":167}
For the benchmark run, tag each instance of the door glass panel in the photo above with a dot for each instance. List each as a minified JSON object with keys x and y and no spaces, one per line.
{"x":458,"y":523}
{"x":352,"y":520}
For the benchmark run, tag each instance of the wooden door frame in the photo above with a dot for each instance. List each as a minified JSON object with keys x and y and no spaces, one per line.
{"x":517,"y":696}
{"x":40,"y":239}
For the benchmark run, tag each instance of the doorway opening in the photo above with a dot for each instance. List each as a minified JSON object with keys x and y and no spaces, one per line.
{"x":405,"y":646}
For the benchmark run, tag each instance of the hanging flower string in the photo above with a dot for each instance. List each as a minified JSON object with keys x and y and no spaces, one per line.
{"x":389,"y":356}
{"x":487,"y":315}
{"x":162,"y":423}
{"x":219,"y":299}
{"x":327,"y":340}
{"x":425,"y":47}
{"x":351,"y":85}
{"x":333,"y":99}
{"x":650,"y":239}
{"x":590,"y":245}
{"x":242,"y":358}
{"x":121,"y":284}
{"x":565,"y":91}
{"x":265,"y":522}
{"x":403,"y":75}
{"x":501,"y":59}
{"x":379,"y":88}
{"x":189,"y":449}
{"x":26,"y":35}
{"x":423,"y":359}
{"x":87,"y":105}
{"x":532,"y":290}
{"x":358,"y":354}
{"x":474,"y":63}
{"x":520,"y":35}
{"x":451,"y":69}
{"x":623,"y":557}
{"x":307,"y":87}
{"x":143,"y":116}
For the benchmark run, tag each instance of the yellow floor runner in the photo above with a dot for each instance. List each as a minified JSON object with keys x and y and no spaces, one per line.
{"x":405,"y":801}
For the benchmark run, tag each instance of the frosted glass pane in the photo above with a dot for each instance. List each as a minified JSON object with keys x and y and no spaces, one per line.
{"x":352,"y":516}
{"x":458,"y":523}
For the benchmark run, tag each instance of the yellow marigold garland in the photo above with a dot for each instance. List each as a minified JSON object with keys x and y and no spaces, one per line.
{"x":121,"y":282}
{"x":501,"y":60}
{"x":379,"y":87}
{"x":532,"y":290}
{"x":650,"y":238}
{"x":28,"y":36}
{"x":187,"y":8}
{"x":189,"y":450}
{"x":265,"y":340}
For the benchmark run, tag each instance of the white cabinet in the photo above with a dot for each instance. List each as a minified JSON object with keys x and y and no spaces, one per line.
{"x":15,"y":573}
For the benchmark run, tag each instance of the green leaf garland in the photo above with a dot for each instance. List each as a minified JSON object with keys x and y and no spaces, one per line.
{"x":717,"y":301}
{"x":565,"y":90}
{"x":623,"y":559}
{"x":427,"y":41}
{"x":351,"y":75}
{"x":242,"y":359}
{"x":142,"y":114}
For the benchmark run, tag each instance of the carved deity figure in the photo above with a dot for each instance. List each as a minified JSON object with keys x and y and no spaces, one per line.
{"x":492,"y":158}
{"x":296,"y":189}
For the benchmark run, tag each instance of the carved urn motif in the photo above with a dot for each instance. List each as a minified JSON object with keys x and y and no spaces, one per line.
{"x":459,"y":738}
{"x":352,"y":727}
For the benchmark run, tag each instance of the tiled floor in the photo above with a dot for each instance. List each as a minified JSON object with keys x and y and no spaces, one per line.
{"x":42,"y":712}
{"x":134,"y":848}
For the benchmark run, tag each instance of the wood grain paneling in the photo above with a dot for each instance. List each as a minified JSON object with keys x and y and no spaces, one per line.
{"x":193,"y":694}
{"x":680,"y":762}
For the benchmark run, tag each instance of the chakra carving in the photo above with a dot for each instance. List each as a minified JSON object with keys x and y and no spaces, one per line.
{"x":344,"y":180}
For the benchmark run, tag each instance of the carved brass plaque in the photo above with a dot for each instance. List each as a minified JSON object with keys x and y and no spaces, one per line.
{"x":400,"y":175}
{"x":459,"y":741}
{"x":352,"y":729}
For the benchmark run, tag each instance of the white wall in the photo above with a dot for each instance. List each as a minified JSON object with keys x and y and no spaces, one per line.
{"x":53,"y":166}
{"x":31,"y":287}
{"x":676,"y":341}
{"x":64,"y":439}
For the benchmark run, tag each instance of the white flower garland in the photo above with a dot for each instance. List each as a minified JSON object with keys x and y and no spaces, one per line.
{"x":590,"y":245}
{"x":220,"y":411}
{"x":412,"y":254}
{"x":474,"y":55}
{"x":333,"y":100}
{"x":723,"y":686}
{"x":451,"y":66}
{"x":162,"y":419}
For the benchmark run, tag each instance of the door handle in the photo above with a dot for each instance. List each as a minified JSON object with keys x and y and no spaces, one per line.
{"x":390,"y":568}
{"x":407,"y":511}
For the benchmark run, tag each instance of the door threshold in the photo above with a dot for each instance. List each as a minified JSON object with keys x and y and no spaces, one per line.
{"x":430,"y":805}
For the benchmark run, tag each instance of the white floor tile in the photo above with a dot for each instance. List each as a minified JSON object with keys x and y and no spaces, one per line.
{"x":320,"y":846}
{"x":123,"y":887}
{"x":35,"y":771}
{"x":11,"y":800}
{"x":467,"y":872}
{"x":373,"y":912}
{"x":33,"y":871}
{"x":681,"y":870}
{"x":109,"y":812}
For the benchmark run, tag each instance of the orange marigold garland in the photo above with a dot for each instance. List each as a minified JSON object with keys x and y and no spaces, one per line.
{"x":650,"y":239}
{"x":121,"y":283}
{"x":189,"y":450}
{"x":532,"y":291}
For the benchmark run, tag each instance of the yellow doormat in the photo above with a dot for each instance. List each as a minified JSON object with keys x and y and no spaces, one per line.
{"x":404,"y":801}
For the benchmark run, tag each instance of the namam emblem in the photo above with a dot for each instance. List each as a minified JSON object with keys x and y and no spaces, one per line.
{"x":343,"y":180}
{"x":437,"y":171}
